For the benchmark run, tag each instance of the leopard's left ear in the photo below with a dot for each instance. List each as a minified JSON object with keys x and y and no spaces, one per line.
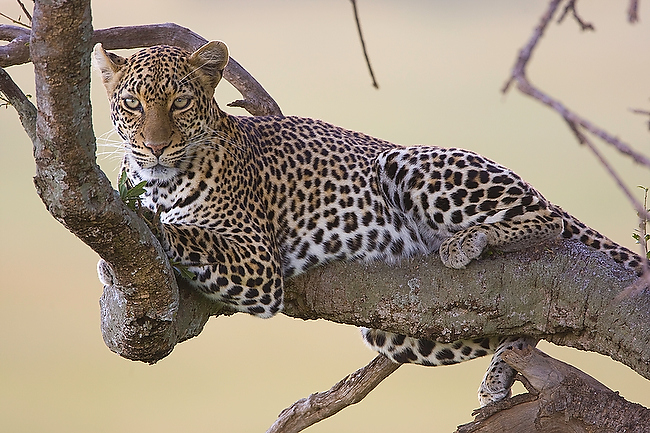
{"x":109,"y":65}
{"x":211,"y":59}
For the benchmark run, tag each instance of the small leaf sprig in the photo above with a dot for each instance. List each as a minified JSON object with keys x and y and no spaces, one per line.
{"x":641,"y":235}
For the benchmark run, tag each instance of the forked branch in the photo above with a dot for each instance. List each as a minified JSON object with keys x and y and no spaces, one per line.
{"x":575,"y":121}
{"x":255,"y":99}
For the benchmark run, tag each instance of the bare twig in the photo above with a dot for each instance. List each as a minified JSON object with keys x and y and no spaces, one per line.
{"x":643,"y":225}
{"x":26,"y":12}
{"x":633,"y":12}
{"x":571,"y":7}
{"x":582,"y":139}
{"x":519,"y":70}
{"x":20,"y":23}
{"x":350,"y":390}
{"x":574,"y":121}
{"x":363,"y":44}
{"x":519,"y":75}
{"x":642,"y":112}
{"x":16,"y":98}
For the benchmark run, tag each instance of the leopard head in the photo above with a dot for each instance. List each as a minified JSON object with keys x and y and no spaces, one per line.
{"x":162,"y":103}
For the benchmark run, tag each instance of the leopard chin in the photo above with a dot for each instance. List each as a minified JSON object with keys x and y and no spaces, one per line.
{"x":158,"y":172}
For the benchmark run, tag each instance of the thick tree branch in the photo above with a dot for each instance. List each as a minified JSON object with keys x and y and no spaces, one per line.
{"x":16,"y":52}
{"x":563,"y":292}
{"x":255,"y":99}
{"x":74,"y":189}
{"x":566,"y":400}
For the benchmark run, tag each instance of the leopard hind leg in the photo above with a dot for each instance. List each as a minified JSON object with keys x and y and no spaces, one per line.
{"x":499,"y":377}
{"x":497,"y":382}
{"x":403,"y":349}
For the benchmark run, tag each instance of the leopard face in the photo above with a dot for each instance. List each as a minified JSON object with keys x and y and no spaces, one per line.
{"x":162,"y":103}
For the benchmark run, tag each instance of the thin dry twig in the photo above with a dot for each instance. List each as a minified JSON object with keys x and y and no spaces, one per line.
{"x":571,"y":7}
{"x":25,"y":11}
{"x":582,"y":139}
{"x":20,"y":23}
{"x":363,"y":44}
{"x":642,"y":112}
{"x":519,"y":75}
{"x":575,"y":122}
{"x":350,"y":390}
{"x":633,"y":12}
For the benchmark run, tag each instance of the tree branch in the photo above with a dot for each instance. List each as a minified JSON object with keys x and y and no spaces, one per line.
{"x":17,"y":99}
{"x":563,"y":292}
{"x":519,"y":75}
{"x":633,"y":12}
{"x":255,"y":99}
{"x":74,"y":189}
{"x":318,"y":406}
{"x":571,"y":7}
{"x":575,"y":121}
{"x":566,"y":400}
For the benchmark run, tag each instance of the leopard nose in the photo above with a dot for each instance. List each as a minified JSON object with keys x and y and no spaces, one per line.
{"x":156,"y":148}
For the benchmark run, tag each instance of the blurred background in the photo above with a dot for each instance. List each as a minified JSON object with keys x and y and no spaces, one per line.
{"x":440,"y":66}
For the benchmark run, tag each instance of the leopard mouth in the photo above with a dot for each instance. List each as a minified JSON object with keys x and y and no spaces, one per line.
{"x":159,"y":172}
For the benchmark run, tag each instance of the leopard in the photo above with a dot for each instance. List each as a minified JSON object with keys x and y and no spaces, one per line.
{"x":247,"y":202}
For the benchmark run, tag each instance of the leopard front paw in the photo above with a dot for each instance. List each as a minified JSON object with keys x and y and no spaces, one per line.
{"x":464,"y":246}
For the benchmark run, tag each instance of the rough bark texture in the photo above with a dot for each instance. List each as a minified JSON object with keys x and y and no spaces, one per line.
{"x":74,"y":189}
{"x":566,"y":400}
{"x":320,"y":405}
{"x":562,"y":292}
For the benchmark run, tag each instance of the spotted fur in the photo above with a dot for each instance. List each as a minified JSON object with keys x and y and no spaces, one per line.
{"x":247,"y":202}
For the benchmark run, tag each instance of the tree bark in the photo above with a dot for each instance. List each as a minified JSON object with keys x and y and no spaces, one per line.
{"x":72,"y":186}
{"x":565,"y":400}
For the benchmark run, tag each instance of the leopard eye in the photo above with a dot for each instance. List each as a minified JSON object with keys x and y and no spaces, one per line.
{"x":181,"y":102}
{"x":132,"y":103}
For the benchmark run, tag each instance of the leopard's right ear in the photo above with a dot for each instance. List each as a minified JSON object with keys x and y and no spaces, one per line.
{"x":209,"y":61}
{"x":109,"y":65}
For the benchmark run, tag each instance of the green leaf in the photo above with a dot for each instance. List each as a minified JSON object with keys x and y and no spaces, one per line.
{"x":136,"y":191}
{"x":130,"y":196}
{"x":182,"y":270}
